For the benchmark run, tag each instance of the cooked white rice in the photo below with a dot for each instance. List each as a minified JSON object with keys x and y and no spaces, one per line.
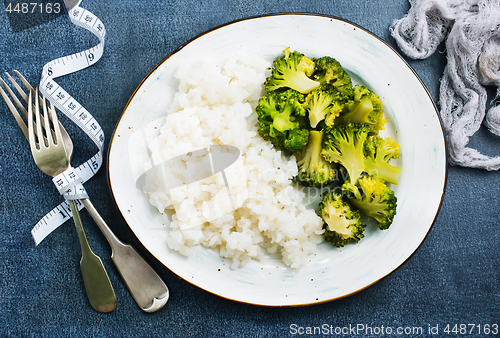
{"x":262,"y":210}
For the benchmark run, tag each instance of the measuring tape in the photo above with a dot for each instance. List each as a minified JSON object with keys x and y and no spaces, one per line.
{"x":77,"y":113}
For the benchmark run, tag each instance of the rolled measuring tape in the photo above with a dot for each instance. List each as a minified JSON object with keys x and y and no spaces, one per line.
{"x":77,"y":113}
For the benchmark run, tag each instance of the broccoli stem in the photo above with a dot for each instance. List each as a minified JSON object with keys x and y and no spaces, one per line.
{"x":384,"y":170}
{"x":313,"y":150}
{"x":317,"y":113}
{"x":314,"y":146}
{"x":358,"y":112}
{"x":281,"y":121}
{"x":299,"y":81}
{"x":353,"y":162}
{"x":351,"y":158}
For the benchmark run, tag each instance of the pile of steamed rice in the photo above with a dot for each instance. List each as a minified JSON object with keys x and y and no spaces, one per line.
{"x":255,"y":208}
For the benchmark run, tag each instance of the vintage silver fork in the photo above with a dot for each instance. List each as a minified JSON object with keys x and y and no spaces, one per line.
{"x":146,"y":287}
{"x":50,"y":156}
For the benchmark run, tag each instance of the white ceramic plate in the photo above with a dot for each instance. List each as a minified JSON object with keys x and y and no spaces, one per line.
{"x":332,"y":273}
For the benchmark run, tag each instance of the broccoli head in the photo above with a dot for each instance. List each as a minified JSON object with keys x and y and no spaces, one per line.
{"x":268,"y":107}
{"x":295,"y":139}
{"x":282,"y":120}
{"x":324,"y":103}
{"x":344,"y":145}
{"x":329,"y":70}
{"x":290,"y":140}
{"x":313,"y":169}
{"x":365,"y":107}
{"x":293,"y":99}
{"x":378,"y":151}
{"x":273,"y":103}
{"x":342,"y":223}
{"x":292,"y":71}
{"x":376,"y":200}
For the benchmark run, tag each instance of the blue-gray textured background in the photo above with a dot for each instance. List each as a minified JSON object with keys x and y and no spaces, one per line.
{"x":453,"y":278}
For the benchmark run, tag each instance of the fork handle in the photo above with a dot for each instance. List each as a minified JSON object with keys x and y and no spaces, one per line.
{"x":146,"y":287}
{"x":99,"y":290}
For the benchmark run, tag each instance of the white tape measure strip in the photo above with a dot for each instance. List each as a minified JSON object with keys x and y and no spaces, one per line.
{"x":78,"y":114}
{"x":69,"y":184}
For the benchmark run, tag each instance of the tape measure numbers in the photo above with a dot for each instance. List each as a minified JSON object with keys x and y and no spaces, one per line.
{"x":77,"y":113}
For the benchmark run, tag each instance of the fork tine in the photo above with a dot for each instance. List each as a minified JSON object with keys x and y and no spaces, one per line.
{"x":21,"y":91}
{"x":51,"y":122}
{"x":25,"y":82}
{"x":31,"y":129}
{"x":14,"y":97}
{"x":38,"y":123}
{"x":18,"y":87}
{"x":13,"y":109}
{"x":55,"y":121}
{"x":22,"y":94}
{"x":68,"y":144}
{"x":46,"y":124}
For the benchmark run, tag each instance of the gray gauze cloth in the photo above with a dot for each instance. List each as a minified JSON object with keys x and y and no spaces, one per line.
{"x":472,"y":32}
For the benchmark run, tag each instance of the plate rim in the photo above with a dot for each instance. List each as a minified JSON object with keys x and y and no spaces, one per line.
{"x":268,"y":15}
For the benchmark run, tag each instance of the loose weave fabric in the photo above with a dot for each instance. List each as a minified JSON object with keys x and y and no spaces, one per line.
{"x":471,"y":31}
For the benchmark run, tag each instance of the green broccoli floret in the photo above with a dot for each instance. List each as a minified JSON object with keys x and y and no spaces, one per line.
{"x":365,"y":107}
{"x":271,"y":104}
{"x":313,"y":169}
{"x":376,"y":200}
{"x":295,"y":139}
{"x":329,"y":70}
{"x":343,"y":224}
{"x":292,"y":71}
{"x":264,"y":129}
{"x":292,"y":98}
{"x":282,"y":120}
{"x":290,"y":140}
{"x":378,"y":151}
{"x":344,"y":145}
{"x":324,"y":103}
{"x":268,"y":107}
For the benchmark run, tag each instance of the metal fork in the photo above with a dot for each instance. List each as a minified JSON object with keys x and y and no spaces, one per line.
{"x":50,"y":156}
{"x":146,"y":287}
